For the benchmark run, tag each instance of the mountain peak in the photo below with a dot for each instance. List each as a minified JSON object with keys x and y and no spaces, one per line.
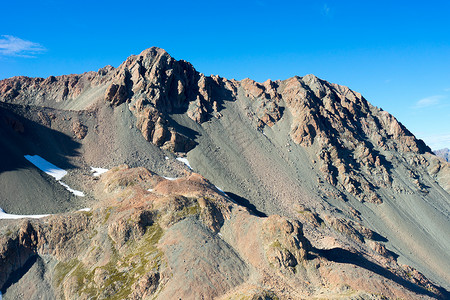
{"x":152,"y":51}
{"x":348,"y":179}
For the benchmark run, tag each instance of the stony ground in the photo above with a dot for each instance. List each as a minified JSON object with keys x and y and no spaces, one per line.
{"x":185,"y":239}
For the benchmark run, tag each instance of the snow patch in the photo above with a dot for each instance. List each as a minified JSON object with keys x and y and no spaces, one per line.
{"x":169,"y":178}
{"x":46,"y":167}
{"x":166,"y":157}
{"x":75,"y":192}
{"x":220,"y":190}
{"x":150,"y":190}
{"x":185,"y":161}
{"x":98,"y":171}
{"x":83,"y":209}
{"x":6,"y":216}
{"x":53,"y":171}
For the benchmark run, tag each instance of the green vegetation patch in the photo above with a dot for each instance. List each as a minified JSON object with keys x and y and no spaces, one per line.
{"x":276,"y":245}
{"x":107,"y":214}
{"x":121,"y":272}
{"x":141,"y":257}
{"x":88,"y":213}
{"x":187,"y":211}
{"x":178,"y":209}
{"x":63,"y":268}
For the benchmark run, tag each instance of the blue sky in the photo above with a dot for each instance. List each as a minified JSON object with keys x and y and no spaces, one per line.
{"x":396,"y":53}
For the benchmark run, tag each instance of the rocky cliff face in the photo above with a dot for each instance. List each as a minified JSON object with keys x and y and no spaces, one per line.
{"x":318,"y":181}
{"x":153,"y":84}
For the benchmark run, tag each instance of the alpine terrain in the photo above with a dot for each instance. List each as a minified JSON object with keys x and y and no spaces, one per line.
{"x":154,"y":181}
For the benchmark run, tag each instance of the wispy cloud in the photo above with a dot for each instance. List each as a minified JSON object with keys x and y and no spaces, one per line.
{"x":326,"y":10}
{"x":14,"y":46}
{"x":428,"y":101}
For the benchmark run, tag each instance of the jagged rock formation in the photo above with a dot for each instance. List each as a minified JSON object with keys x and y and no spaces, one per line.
{"x":347,"y":178}
{"x":347,"y":133}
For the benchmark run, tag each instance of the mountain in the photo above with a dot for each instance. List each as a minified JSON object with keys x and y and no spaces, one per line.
{"x":321,"y":193}
{"x":444,"y":153}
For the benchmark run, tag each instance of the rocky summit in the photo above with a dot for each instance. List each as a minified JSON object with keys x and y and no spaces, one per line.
{"x":209,"y":188}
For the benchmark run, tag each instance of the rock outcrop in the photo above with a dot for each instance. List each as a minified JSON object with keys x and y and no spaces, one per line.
{"x":185,"y":240}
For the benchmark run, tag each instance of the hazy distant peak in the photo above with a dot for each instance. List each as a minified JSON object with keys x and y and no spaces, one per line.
{"x":443,"y":153}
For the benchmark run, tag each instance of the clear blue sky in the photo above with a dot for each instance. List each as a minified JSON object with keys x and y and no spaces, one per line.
{"x":396,"y":53}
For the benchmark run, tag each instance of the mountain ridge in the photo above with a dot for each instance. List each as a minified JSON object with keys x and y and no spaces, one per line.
{"x":302,"y":148}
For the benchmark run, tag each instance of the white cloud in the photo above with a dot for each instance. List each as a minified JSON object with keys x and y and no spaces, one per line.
{"x":14,"y":46}
{"x":428,"y":101}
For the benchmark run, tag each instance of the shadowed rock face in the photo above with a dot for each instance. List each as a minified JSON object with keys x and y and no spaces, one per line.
{"x":346,"y":177}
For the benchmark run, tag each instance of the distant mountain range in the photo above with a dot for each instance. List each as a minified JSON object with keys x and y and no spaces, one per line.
{"x":200,"y":187}
{"x":444,"y":153}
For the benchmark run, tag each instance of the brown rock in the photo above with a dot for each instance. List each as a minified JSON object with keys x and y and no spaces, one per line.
{"x":79,"y":130}
{"x":286,"y":245}
{"x":116,"y":94}
{"x":146,"y":286}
